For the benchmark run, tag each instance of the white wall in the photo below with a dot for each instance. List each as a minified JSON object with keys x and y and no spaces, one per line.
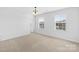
{"x":15,"y":22}
{"x":72,"y":24}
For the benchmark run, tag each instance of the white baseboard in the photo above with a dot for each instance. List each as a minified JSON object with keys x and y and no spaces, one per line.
{"x":8,"y":38}
{"x":72,"y":40}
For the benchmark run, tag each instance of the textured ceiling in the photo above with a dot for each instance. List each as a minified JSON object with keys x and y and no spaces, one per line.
{"x":42,"y":10}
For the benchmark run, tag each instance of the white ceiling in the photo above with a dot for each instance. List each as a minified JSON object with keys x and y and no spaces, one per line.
{"x":42,"y":10}
{"x":29,"y":10}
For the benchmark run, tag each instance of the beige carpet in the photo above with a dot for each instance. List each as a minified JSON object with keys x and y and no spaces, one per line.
{"x":37,"y":43}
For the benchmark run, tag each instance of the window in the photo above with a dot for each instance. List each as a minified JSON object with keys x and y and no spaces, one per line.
{"x":41,"y":23}
{"x":60,"y":22}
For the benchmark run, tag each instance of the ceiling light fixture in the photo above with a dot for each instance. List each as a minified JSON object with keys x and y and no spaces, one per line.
{"x":35,"y":11}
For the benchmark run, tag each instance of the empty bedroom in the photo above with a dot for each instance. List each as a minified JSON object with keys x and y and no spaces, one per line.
{"x":39,"y":29}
